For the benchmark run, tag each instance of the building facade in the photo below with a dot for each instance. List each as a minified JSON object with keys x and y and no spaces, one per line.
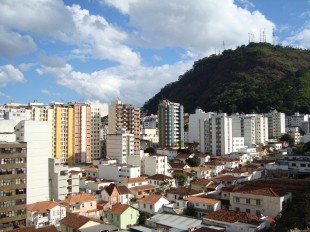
{"x":170,"y":124}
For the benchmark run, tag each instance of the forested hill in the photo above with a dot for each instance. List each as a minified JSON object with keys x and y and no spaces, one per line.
{"x":253,"y":78}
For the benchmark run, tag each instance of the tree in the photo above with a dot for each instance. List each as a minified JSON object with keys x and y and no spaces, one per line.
{"x":288,"y":139}
{"x":193,"y":162}
{"x":190,"y":211}
{"x":181,"y":179}
{"x":143,"y":216}
{"x":149,"y":150}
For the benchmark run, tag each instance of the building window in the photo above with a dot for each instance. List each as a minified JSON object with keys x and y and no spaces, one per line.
{"x":151,"y":207}
{"x":248,"y":201}
{"x":258,"y":202}
{"x":258,"y":213}
{"x":237,"y":199}
{"x":248,"y":210}
{"x":237,"y":209}
{"x":144,"y":206}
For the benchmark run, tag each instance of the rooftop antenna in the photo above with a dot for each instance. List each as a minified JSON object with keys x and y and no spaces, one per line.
{"x":223,"y":45}
{"x":273,"y":38}
{"x":260,"y":36}
{"x":249,"y":37}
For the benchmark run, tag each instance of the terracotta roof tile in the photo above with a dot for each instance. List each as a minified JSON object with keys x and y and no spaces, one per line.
{"x":225,"y":178}
{"x":119,"y":208}
{"x":123,"y":190}
{"x":80,"y":198}
{"x":212,"y":186}
{"x":151,"y":199}
{"x":199,"y":169}
{"x":231,"y":216}
{"x":133,"y":180}
{"x":160,"y":177}
{"x":142,"y":187}
{"x":214,"y":163}
{"x":202,"y":182}
{"x":33,"y":229}
{"x":205,"y":229}
{"x":202,"y":200}
{"x":184,"y":191}
{"x":42,"y":206}
{"x":74,"y":220}
{"x":178,"y":166}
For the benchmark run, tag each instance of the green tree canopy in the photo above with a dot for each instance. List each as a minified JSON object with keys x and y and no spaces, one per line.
{"x":288,"y":138}
{"x":193,"y":162}
{"x":190,"y":211}
{"x":149,"y":150}
{"x":181,"y":178}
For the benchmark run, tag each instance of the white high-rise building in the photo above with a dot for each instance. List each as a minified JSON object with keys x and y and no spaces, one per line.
{"x":216,"y":135}
{"x":120,"y":146}
{"x":194,"y":124}
{"x":261,"y":127}
{"x":276,"y":124}
{"x":35,"y":133}
{"x":296,"y":120}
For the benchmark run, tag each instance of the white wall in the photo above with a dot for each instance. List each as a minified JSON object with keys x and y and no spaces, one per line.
{"x":35,"y":133}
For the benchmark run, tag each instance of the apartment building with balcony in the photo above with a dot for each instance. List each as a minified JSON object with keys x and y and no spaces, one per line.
{"x":62,"y":183}
{"x":13,"y":166}
{"x":127,"y":117}
{"x":170,"y":124}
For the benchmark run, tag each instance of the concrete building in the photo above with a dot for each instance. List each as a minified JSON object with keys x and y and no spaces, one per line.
{"x":120,"y":146}
{"x":216,"y":136}
{"x":118,"y":172}
{"x":95,"y":146}
{"x":62,"y":183}
{"x":261,"y":129}
{"x":149,"y":122}
{"x":296,"y":119}
{"x":238,"y":143}
{"x":150,"y":135}
{"x":45,"y":213}
{"x":13,"y":166}
{"x":150,"y":164}
{"x":170,"y":124}
{"x":276,"y":124}
{"x":127,"y":117}
{"x":35,"y":133}
{"x":194,"y":126}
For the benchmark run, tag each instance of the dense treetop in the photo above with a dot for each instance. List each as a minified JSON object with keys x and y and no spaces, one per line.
{"x":257,"y":78}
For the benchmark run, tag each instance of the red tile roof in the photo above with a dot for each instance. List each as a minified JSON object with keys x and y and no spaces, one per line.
{"x":133,"y":180}
{"x":160,"y":177}
{"x":33,"y":229}
{"x":225,"y":178}
{"x":119,"y":208}
{"x":151,"y":199}
{"x":42,"y":206}
{"x":231,"y":216}
{"x":255,"y":190}
{"x":75,"y":221}
{"x":79,"y":198}
{"x":178,"y":166}
{"x":203,"y":182}
{"x":205,"y":229}
{"x":214,"y":163}
{"x":203,"y":200}
{"x":199,"y":169}
{"x":142,"y":187}
{"x":183,"y":191}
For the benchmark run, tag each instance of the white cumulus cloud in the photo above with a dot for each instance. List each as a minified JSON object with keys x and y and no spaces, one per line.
{"x":131,"y":84}
{"x":8,"y":73}
{"x":198,"y":26}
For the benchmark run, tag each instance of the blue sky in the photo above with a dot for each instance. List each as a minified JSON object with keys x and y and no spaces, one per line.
{"x":101,"y":50}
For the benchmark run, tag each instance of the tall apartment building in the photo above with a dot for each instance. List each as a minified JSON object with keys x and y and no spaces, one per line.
{"x":125,"y":116}
{"x":13,"y":169}
{"x":170,"y":124}
{"x":261,"y":126}
{"x":34,"y":133}
{"x":216,"y":135}
{"x":276,"y":124}
{"x":120,"y":146}
{"x":62,"y":183}
{"x":150,"y":122}
{"x":194,"y":124}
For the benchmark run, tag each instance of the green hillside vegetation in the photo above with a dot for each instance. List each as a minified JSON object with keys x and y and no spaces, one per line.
{"x":256,"y":78}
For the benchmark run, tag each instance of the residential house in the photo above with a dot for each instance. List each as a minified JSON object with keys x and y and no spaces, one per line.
{"x":33,"y":229}
{"x":203,"y":205}
{"x":228,"y":162}
{"x":216,"y":167}
{"x":84,"y":204}
{"x":168,"y":151}
{"x":200,"y":172}
{"x":162,"y":182}
{"x":258,"y":200}
{"x":114,"y":194}
{"x":181,"y":158}
{"x":234,"y":221}
{"x":123,"y":215}
{"x":132,"y":182}
{"x":201,"y":184}
{"x":228,"y":179}
{"x":74,"y":222}
{"x":152,"y":203}
{"x":92,"y":172}
{"x":118,"y":172}
{"x":181,"y":193}
{"x":45,"y":213}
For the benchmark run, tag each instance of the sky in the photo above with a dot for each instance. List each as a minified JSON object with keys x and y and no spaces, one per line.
{"x":98,"y":51}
